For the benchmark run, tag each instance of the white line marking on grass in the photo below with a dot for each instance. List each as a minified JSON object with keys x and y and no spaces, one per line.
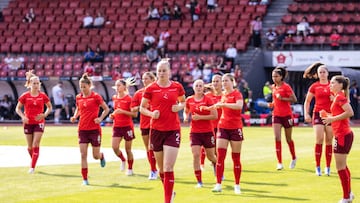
{"x":15,"y":156}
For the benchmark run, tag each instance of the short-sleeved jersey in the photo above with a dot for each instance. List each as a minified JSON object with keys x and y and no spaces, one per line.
{"x":136,"y":101}
{"x":88,"y":108}
{"x":322,"y":95}
{"x":340,"y":127}
{"x":282,"y":108}
{"x":124,"y":103}
{"x":215,"y":99}
{"x":162,"y":99}
{"x":33,"y":105}
{"x":231,"y":118}
{"x":199,"y":126}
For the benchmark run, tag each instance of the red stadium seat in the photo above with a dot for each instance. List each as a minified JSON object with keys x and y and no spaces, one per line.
{"x":49,"y":47}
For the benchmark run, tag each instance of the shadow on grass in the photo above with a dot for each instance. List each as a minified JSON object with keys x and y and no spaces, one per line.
{"x":274,"y":197}
{"x":117,"y":185}
{"x":58,"y":175}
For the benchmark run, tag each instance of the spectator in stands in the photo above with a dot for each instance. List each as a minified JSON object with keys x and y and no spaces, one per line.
{"x":335,"y":40}
{"x":200,"y":63}
{"x":195,"y":9}
{"x":106,"y":72}
{"x":264,"y":2}
{"x":148,"y":41}
{"x":354,"y":95}
{"x":255,"y":30}
{"x":221,"y":66}
{"x":196,"y":73}
{"x":230,"y":54}
{"x":166,"y":13}
{"x":247,"y":95}
{"x":89,"y":55}
{"x":126,"y":73}
{"x":238,"y":74}
{"x":163,"y":38}
{"x":211,"y":5}
{"x":89,"y":68}
{"x":271,"y":37}
{"x":177,"y":15}
{"x":152,"y":56}
{"x":267,"y":92}
{"x":88,"y":21}
{"x":59,"y":101}
{"x":207,"y":73}
{"x":5,"y":108}
{"x":14,"y":63}
{"x":280,"y":39}
{"x":29,"y":17}
{"x":99,"y":55}
{"x":303,"y":27}
{"x":153,"y":13}
{"x":1,"y":16}
{"x":253,"y":2}
{"x":99,"y":21}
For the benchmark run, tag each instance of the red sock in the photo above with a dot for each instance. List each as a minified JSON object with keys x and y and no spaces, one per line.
{"x":121,"y":156}
{"x":168,"y":185}
{"x":349,"y":175}
{"x":30,"y":152}
{"x":318,"y":151}
{"x":35,"y":156}
{"x":152,"y":160}
{"x":328,"y":155}
{"x":220,"y":164}
{"x":202,"y":156}
{"x":292,"y":149}
{"x":84,"y":173}
{"x":161,"y":177}
{"x":130,"y":163}
{"x":198,"y":176}
{"x":278,"y":151}
{"x":344,"y":179}
{"x":237,"y":167}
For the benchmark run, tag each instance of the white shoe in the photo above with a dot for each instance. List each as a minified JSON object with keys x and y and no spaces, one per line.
{"x":237,"y":189}
{"x":172,"y":197}
{"x":31,"y":171}
{"x":292,"y":164}
{"x":352,"y":196}
{"x":327,"y":171}
{"x":318,"y":171}
{"x":129,"y":172}
{"x":122,"y":166}
{"x":345,"y":201}
{"x":199,"y":185}
{"x":153,"y":175}
{"x":217,"y":188}
{"x":279,"y":166}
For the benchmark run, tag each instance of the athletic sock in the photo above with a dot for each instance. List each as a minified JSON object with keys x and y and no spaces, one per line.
{"x":35,"y":156}
{"x":121,"y":156}
{"x":152,"y":160}
{"x":278,"y":151}
{"x":198,"y":176}
{"x":328,"y":155}
{"x":130,"y":163}
{"x":237,"y":167}
{"x":220,"y":164}
{"x":292,"y":149}
{"x":202,"y":156}
{"x":161,"y":177}
{"x":349,"y":175}
{"x":344,"y":179}
{"x":84,"y":173}
{"x":168,"y":185}
{"x":318,"y":151}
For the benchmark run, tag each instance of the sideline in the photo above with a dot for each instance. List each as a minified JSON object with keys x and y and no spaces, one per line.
{"x":17,"y":156}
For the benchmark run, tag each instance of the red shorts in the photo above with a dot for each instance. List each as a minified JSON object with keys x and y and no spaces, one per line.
{"x":317,"y":119}
{"x":348,"y":140}
{"x":160,"y":138}
{"x":230,"y":134}
{"x":126,"y":132}
{"x":90,"y":136}
{"x":145,"y":131}
{"x":203,"y":139}
{"x":31,"y":128}
{"x":285,"y":121}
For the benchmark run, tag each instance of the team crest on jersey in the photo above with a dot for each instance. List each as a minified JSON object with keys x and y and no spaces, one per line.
{"x":166,"y":96}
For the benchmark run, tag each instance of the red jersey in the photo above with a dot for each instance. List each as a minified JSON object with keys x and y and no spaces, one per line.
{"x":136,"y":101}
{"x":322,"y":95}
{"x":33,"y":106}
{"x":231,"y":118}
{"x":88,"y":108}
{"x":124,"y":103}
{"x":199,"y":126}
{"x":162,"y":99}
{"x":282,"y":108}
{"x":215,"y":99}
{"x":341,"y":127}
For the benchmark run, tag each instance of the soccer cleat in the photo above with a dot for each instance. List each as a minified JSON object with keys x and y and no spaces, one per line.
{"x":172,"y":197}
{"x":327,"y":171}
{"x":85,"y":182}
{"x":31,"y":171}
{"x":153,"y":175}
{"x":237,"y":189}
{"x":199,"y":185}
{"x":352,"y":196}
{"x":102,"y":162}
{"x":318,"y":171}
{"x":217,"y":188}
{"x":122,"y":166}
{"x":292,"y":164}
{"x":345,"y":201}
{"x":279,"y":166}
{"x":129,"y":172}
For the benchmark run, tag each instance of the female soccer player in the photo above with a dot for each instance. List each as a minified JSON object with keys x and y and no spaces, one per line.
{"x":147,"y":79}
{"x":33,"y":117}
{"x":123,"y":126}
{"x":230,"y":131}
{"x":283,"y":95}
{"x":88,"y":105}
{"x":319,"y":90}
{"x":201,"y":129}
{"x":339,"y":119}
{"x":167,"y":98}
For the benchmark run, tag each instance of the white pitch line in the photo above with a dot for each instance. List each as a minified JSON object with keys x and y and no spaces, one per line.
{"x":17,"y":156}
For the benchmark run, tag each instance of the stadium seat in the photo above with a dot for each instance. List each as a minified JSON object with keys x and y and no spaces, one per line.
{"x":49,"y":47}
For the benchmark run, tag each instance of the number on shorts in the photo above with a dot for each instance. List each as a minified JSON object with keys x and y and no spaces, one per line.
{"x":177,"y":139}
{"x":41,"y":125}
{"x":130,"y":133}
{"x":290,"y":122}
